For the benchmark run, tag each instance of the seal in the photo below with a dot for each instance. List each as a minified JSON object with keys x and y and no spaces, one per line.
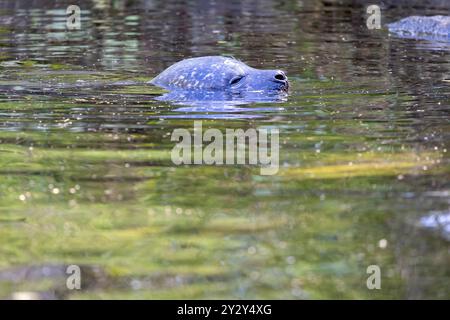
{"x":218,"y":73}
{"x":421,"y":27}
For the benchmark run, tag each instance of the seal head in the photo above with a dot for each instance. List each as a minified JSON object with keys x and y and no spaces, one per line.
{"x":217,"y":73}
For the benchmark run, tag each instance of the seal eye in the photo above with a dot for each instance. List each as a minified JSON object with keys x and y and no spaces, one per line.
{"x":235,"y":80}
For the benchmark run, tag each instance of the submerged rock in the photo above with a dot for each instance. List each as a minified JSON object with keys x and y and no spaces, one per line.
{"x":422,"y":27}
{"x":439,"y":221}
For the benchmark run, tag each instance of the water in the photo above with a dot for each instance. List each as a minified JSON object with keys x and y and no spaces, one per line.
{"x":86,"y":176}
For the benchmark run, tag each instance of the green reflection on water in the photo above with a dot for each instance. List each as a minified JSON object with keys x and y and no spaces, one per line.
{"x":86,"y":176}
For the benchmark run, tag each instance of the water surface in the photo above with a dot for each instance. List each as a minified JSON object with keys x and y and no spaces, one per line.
{"x":86,"y":176}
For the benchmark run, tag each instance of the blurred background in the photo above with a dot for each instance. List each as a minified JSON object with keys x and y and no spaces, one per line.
{"x":86,"y":176}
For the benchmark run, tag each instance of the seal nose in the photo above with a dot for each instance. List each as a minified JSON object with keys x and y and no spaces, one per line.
{"x":280,"y":76}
